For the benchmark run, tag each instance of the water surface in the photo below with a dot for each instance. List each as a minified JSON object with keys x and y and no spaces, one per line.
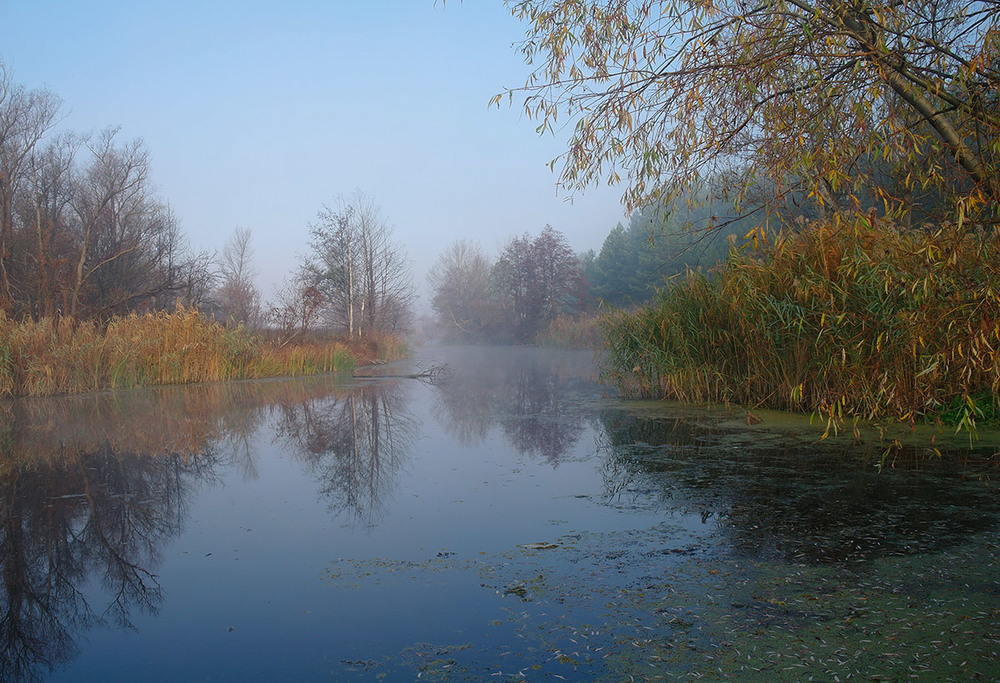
{"x":512,"y":522}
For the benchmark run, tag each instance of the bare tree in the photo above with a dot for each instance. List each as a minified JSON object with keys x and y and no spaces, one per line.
{"x":114,"y":185}
{"x":81,"y":231}
{"x":238,"y":296}
{"x":297,"y":310}
{"x":174,"y":273}
{"x":40,"y":266}
{"x":196,"y":279}
{"x":362,"y":275}
{"x":25,"y":117}
{"x":460,"y":291}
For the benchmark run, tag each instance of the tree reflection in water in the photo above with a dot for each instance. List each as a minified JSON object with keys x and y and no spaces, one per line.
{"x":83,"y":511}
{"x":92,"y":487}
{"x":526,"y":393}
{"x":354,"y":441}
{"x":775,"y":497}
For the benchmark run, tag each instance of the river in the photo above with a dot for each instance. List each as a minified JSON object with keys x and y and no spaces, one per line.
{"x":506,"y":518}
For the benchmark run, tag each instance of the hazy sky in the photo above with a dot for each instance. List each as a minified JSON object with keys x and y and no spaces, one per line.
{"x":258,"y":113}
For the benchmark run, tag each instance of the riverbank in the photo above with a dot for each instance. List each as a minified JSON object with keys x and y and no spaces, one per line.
{"x":846,"y":321}
{"x":67,"y":356}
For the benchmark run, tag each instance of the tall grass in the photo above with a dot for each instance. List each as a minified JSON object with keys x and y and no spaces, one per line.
{"x":857,"y":320}
{"x":65,"y":356}
{"x":568,"y":332}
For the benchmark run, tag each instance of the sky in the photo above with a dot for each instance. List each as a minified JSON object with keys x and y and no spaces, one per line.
{"x":257,"y":114}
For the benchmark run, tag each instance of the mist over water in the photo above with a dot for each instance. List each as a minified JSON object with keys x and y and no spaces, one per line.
{"x":513,"y":519}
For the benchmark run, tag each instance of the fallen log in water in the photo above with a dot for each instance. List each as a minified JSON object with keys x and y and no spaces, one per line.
{"x":435,"y":374}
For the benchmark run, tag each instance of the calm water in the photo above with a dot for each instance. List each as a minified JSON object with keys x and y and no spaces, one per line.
{"x":513,"y":522}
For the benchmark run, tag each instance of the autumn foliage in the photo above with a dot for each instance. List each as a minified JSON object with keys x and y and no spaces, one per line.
{"x":844,"y":104}
{"x":857,"y":319}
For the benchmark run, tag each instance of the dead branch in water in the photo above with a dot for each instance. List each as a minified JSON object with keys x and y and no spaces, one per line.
{"x":437,"y":373}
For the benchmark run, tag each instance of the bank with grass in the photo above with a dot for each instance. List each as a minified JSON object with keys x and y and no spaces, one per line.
{"x":66,"y":356}
{"x":849,"y":320}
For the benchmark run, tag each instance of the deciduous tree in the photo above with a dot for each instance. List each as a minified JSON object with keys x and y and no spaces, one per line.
{"x":535,"y":279}
{"x":25,"y":117}
{"x":238,"y":296}
{"x":363,"y":276}
{"x":845,"y":101}
{"x":115,"y":220}
{"x":461,"y":294}
{"x":44,"y":271}
{"x":81,"y":230}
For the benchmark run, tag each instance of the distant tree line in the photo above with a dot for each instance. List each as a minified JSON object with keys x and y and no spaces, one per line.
{"x":536,"y":279}
{"x":509,"y":299}
{"x":657,"y":245}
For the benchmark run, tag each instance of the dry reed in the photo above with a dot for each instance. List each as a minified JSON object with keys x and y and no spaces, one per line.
{"x":64,"y":356}
{"x":858,"y":320}
{"x":569,"y":332}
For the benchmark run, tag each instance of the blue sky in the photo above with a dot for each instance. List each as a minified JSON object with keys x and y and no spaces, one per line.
{"x":256,"y":114}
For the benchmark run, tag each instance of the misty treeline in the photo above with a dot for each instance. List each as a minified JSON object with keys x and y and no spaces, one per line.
{"x":510,"y":298}
{"x":84,"y":234}
{"x":537,"y":279}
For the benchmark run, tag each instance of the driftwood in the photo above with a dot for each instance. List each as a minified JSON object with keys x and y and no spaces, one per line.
{"x":435,"y":374}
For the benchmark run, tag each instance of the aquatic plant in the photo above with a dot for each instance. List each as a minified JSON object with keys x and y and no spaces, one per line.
{"x":571,"y":332}
{"x":844,"y":319}
{"x":67,"y":356}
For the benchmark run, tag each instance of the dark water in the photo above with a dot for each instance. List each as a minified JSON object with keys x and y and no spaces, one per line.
{"x":513,"y":522}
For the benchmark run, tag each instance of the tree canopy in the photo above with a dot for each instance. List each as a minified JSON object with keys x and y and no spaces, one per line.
{"x":536,"y":279}
{"x":850,"y":103}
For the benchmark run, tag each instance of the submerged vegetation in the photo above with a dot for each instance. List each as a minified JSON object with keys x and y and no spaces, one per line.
{"x":65,"y":356}
{"x":842,"y":319}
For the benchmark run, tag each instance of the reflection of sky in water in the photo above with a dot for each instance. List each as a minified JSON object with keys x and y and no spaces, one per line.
{"x":255,"y":554}
{"x":273,"y":577}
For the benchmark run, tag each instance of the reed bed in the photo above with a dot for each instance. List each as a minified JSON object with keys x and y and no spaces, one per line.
{"x":860,"y":320}
{"x":64,"y":356}
{"x":569,"y":332}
